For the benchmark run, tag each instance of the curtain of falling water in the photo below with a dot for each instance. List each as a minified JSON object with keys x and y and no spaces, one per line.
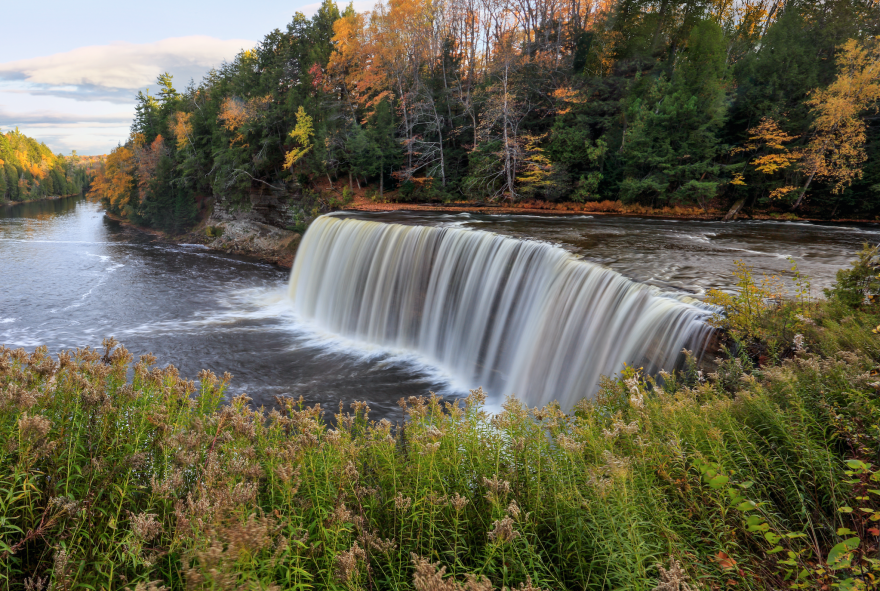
{"x":510,"y":315}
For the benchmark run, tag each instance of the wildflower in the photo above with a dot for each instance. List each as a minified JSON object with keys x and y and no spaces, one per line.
{"x":477,"y":397}
{"x":350,"y":472}
{"x":615,"y":464}
{"x":372,"y":540}
{"x":503,"y":531}
{"x":458,"y":502}
{"x":496,"y":485}
{"x":402,"y":503}
{"x":65,"y":505}
{"x":148,"y":586}
{"x":59,"y":568}
{"x":569,"y":444}
{"x":798,"y":343}
{"x":34,"y":428}
{"x":618,"y":427}
{"x":805,"y":319}
{"x":144,"y":526}
{"x":35,"y":583}
{"x":347,"y":563}
{"x":673,"y":579}
{"x":428,"y":577}
{"x":637,"y":400}
{"x":340,"y":515}
{"x":513,"y":509}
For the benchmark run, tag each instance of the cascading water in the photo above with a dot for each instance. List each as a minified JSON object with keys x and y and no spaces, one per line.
{"x":510,"y":315}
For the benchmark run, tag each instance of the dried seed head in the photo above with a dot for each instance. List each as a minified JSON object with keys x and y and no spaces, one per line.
{"x":513,"y":509}
{"x":673,"y":579}
{"x":428,"y":577}
{"x":503,"y":531}
{"x":144,"y":526}
{"x":347,"y":563}
{"x":458,"y":502}
{"x":402,"y":503}
{"x":34,"y":428}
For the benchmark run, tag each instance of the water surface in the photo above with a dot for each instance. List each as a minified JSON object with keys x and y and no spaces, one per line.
{"x":70,"y":277}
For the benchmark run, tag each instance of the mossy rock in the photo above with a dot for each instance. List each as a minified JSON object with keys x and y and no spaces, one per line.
{"x":213,"y":231}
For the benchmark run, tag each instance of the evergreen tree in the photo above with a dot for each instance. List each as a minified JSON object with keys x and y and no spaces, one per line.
{"x":671,"y":149}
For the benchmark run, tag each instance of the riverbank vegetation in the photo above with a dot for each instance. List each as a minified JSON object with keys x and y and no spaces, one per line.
{"x":656,"y":103}
{"x":29,"y":170}
{"x":761,"y":474}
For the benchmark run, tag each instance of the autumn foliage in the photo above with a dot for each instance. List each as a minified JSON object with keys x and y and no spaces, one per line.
{"x":652,"y":103}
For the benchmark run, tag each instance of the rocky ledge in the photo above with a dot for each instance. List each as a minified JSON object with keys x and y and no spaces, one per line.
{"x":252,"y":238}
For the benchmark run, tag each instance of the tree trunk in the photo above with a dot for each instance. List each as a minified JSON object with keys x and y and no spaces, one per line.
{"x":803,"y":191}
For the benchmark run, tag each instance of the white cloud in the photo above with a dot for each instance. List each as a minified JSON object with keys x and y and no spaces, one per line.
{"x":45,"y":118}
{"x":112,"y":72}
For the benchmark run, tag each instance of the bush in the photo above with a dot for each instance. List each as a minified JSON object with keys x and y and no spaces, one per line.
{"x":859,"y":284}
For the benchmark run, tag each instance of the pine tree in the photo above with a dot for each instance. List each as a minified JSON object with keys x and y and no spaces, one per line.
{"x":671,"y":148}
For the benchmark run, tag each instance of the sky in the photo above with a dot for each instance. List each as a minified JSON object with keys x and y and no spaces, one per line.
{"x":69,"y":71}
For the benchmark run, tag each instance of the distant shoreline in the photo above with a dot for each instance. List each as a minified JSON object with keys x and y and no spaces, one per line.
{"x":47,"y":198}
{"x":573,"y":209}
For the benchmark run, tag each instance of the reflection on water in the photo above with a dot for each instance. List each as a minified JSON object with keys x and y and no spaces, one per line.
{"x":70,"y":277}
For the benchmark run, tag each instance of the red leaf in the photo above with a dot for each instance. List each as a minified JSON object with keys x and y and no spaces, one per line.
{"x":874,"y":531}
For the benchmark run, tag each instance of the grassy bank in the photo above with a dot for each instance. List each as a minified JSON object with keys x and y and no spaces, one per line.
{"x":761,"y":476}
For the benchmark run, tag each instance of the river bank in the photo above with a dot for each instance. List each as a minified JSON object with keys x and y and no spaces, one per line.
{"x":46,"y":198}
{"x":241,"y":237}
{"x":599,"y":208}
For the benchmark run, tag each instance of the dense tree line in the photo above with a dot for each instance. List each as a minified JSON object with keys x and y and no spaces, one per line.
{"x":652,"y":101}
{"x":29,"y":170}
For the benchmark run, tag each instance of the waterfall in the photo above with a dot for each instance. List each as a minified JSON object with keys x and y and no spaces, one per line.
{"x":514,"y":316}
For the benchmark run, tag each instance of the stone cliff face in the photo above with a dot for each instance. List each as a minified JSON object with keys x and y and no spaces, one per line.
{"x":276,"y":208}
{"x":260,"y":228}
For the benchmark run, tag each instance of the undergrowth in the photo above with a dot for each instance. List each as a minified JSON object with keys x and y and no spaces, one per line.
{"x":763,"y":475}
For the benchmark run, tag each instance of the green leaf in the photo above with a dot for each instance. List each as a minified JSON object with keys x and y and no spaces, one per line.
{"x":843,"y":531}
{"x":718,"y":481}
{"x":775,"y":550}
{"x":746,"y":506}
{"x":837,"y":557}
{"x":857,"y":464}
{"x":845,"y":509}
{"x":746,"y":484}
{"x":754,"y":519}
{"x":771,"y":537}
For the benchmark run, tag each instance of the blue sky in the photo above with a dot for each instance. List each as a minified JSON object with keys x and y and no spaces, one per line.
{"x":69,"y":71}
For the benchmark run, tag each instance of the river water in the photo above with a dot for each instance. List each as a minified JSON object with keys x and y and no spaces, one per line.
{"x":70,"y":277}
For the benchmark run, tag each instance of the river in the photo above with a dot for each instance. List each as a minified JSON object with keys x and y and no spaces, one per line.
{"x":70,"y":277}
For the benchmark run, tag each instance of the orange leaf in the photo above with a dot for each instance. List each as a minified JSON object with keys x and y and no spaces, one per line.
{"x":874,"y":531}
{"x":725,"y":561}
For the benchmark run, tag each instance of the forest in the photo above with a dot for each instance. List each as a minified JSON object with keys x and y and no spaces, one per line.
{"x":699,"y":103}
{"x":29,"y":170}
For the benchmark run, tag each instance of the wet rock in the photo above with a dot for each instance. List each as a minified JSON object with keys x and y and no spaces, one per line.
{"x":251,"y":238}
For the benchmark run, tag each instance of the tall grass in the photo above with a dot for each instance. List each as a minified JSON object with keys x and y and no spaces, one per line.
{"x":157,"y":481}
